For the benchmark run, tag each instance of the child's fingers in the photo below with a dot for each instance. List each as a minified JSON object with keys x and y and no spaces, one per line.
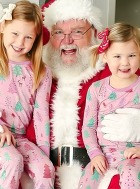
{"x":100,"y":168}
{"x":92,"y":169}
{"x":1,"y":129}
{"x":131,"y":153}
{"x":13,"y":141}
{"x":2,"y":140}
{"x":126,"y":153}
{"x":9,"y":138}
{"x":103,"y":168}
{"x":134,"y":156}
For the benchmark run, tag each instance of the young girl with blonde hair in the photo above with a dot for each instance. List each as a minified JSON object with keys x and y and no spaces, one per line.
{"x":120,"y":49}
{"x":25,"y":84}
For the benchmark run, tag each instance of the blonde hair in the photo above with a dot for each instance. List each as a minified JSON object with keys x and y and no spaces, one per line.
{"x":119,"y":32}
{"x":29,"y":12}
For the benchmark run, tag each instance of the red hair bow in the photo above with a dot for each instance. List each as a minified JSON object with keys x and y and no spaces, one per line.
{"x":47,"y":4}
{"x":105,"y":43}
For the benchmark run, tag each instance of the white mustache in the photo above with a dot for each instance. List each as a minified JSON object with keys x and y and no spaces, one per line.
{"x":68,"y":47}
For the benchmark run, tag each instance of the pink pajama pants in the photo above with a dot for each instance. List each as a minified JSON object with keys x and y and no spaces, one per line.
{"x":129,"y":170}
{"x":27,"y":156}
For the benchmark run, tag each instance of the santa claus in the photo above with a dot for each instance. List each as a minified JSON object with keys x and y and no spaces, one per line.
{"x":73,"y":26}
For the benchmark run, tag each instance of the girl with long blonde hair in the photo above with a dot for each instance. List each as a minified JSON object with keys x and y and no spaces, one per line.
{"x":25,"y":84}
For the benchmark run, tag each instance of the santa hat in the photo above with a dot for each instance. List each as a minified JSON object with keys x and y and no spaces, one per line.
{"x":62,"y":10}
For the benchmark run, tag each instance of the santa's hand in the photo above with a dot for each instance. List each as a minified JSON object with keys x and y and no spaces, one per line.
{"x":123,"y":126}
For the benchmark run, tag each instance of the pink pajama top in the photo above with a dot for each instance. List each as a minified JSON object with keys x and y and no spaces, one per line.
{"x":18,"y":103}
{"x":102,"y":99}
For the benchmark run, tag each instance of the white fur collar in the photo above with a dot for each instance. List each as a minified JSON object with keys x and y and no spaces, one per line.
{"x":65,"y":118}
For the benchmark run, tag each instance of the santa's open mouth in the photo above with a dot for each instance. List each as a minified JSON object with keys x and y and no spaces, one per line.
{"x":69,"y":52}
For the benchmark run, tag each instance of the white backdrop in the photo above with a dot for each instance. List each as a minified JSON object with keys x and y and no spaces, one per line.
{"x":107,"y":8}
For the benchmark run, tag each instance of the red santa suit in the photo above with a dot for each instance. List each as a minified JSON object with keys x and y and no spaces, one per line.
{"x":68,"y":99}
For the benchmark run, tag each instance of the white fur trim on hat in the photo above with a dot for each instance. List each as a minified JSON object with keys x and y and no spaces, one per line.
{"x":62,"y":10}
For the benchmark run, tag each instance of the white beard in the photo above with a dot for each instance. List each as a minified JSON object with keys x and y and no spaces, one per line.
{"x":60,"y":69}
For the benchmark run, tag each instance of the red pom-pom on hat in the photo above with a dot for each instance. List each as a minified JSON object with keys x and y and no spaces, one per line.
{"x":46,"y":33}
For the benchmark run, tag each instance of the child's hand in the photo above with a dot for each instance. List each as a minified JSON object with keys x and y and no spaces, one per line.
{"x":100,"y":164}
{"x":6,"y":136}
{"x":131,"y":153}
{"x":1,"y":129}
